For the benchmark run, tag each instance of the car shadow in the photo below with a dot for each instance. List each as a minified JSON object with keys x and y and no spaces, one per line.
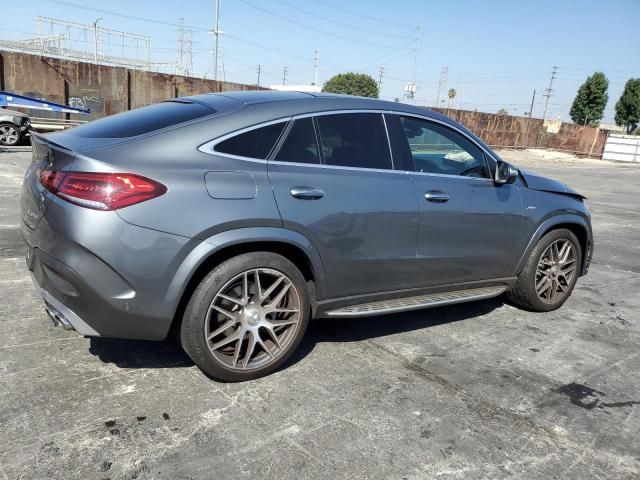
{"x":139,"y":353}
{"x":169,"y":354}
{"x":344,"y":330}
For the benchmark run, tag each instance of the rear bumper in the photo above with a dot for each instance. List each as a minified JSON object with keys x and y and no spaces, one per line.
{"x":63,"y":316}
{"x":101,"y":276}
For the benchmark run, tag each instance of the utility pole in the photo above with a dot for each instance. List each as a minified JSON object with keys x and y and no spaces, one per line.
{"x":380,"y":75}
{"x":316,"y":64}
{"x":460,"y":90}
{"x":216,"y":32}
{"x":526,"y":135}
{"x":180,"y":60}
{"x":284,"y":75}
{"x":442,"y":83}
{"x":259,"y":69}
{"x":549,"y":92}
{"x":95,"y":39}
{"x":411,"y":87}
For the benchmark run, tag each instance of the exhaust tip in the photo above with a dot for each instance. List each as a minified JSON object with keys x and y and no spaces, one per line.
{"x":57,"y":318}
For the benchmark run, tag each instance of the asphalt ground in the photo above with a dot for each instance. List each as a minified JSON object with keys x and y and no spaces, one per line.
{"x":473,"y":391}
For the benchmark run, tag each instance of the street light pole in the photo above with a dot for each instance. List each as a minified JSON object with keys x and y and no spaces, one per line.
{"x":95,"y":39}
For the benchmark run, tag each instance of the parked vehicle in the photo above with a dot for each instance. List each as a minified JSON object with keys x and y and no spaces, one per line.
{"x":13,"y":127}
{"x":234,"y":218}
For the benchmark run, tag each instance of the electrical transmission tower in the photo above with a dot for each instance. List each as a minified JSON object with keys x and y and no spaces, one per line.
{"x":549,"y":92}
{"x":88,"y":43}
{"x":258,"y":70}
{"x":442,"y":83}
{"x":380,"y":75}
{"x":284,"y":75}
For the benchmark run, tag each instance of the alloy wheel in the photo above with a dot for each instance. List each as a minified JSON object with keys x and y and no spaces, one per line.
{"x":556,"y":270}
{"x":252,"y":319}
{"x":8,"y":135}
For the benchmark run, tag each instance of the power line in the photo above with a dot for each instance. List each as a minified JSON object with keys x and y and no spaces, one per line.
{"x":122,"y":15}
{"x":310,"y":27}
{"x":373,"y":19}
{"x":346,"y":25}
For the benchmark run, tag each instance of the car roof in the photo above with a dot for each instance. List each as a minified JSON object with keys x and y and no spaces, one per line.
{"x":295,"y":102}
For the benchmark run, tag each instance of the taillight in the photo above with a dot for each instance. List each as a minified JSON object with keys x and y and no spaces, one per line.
{"x":101,"y":191}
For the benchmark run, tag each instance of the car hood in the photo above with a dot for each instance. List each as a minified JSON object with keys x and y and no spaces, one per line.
{"x":544,"y":184}
{"x":4,"y":111}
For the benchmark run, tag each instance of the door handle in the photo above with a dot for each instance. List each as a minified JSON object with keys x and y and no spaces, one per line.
{"x":306,"y":193}
{"x":436,"y":196}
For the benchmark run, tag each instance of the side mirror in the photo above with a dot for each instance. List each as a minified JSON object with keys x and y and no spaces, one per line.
{"x":505,"y":173}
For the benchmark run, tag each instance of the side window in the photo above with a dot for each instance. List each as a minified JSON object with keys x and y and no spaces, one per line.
{"x":354,"y":140}
{"x":256,"y":143}
{"x":439,"y":149}
{"x":300,"y":145}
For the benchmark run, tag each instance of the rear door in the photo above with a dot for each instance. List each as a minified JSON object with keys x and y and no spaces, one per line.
{"x":470,"y":229}
{"x":334,"y":182}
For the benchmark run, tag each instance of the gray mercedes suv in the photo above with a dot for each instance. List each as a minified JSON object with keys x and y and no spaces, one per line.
{"x":233,"y":218}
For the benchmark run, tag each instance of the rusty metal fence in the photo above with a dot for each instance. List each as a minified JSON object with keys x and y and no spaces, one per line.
{"x":508,"y":131}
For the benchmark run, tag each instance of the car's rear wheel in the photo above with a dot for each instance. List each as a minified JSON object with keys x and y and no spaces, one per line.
{"x":550,"y":274}
{"x":9,"y":134}
{"x":246,"y":317}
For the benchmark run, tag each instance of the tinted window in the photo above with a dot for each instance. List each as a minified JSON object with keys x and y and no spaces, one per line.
{"x":256,"y":143}
{"x":439,"y":149}
{"x":300,"y":145}
{"x":142,"y":120}
{"x":354,"y":140}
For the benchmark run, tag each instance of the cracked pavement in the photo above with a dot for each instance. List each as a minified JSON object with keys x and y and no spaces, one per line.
{"x":471,"y":391}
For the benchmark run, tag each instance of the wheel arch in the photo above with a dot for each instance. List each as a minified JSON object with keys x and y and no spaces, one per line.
{"x":226,"y":245}
{"x":574,"y":223}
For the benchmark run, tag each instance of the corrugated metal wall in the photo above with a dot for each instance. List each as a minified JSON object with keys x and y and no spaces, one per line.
{"x":622,"y":148}
{"x":104,"y":89}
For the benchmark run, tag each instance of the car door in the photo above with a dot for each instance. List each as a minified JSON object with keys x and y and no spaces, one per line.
{"x":470,"y":229}
{"x":334,"y":183}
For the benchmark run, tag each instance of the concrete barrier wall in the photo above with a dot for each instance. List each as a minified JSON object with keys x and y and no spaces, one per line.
{"x":104,"y":89}
{"x":524,"y":132}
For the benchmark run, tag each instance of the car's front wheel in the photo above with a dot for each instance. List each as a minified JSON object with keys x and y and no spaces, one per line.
{"x":551,"y":272}
{"x":9,"y":134}
{"x":246,"y":317}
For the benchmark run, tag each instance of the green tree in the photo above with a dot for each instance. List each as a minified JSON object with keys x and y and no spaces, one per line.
{"x":503,"y":111}
{"x":628,"y":107}
{"x":592,"y":97}
{"x":358,"y":84}
{"x":451,"y":94}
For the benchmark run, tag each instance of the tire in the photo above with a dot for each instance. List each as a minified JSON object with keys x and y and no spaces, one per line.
{"x":10,"y":135}
{"x":541,"y":287}
{"x":233,"y":336}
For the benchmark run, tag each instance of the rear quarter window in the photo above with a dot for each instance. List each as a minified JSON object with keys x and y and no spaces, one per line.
{"x":143,"y":120}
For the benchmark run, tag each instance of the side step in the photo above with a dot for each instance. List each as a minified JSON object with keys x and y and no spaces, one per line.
{"x":414,"y":303}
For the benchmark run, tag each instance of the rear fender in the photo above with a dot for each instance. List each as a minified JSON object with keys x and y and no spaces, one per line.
{"x":220,"y":241}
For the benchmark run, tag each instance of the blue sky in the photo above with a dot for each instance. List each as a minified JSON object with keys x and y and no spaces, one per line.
{"x":496,"y":51}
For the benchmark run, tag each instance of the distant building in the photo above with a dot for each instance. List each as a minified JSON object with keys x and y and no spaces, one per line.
{"x":297,"y":88}
{"x":611,"y":127}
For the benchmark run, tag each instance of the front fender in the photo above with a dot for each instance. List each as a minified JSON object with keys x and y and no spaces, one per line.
{"x":576,"y":218}
{"x":203,"y":250}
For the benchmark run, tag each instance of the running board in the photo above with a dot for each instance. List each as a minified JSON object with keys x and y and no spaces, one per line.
{"x":414,"y":303}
